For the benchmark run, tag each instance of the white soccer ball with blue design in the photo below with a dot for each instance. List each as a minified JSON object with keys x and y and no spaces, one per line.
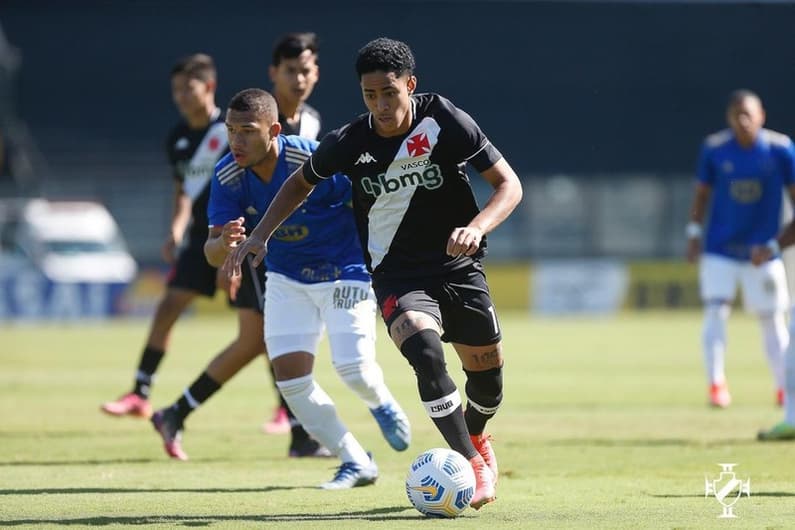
{"x":440,"y":483}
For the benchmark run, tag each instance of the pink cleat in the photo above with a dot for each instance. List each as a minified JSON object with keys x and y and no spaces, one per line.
{"x":170,"y":429}
{"x":129,"y":405}
{"x":780,"y":397}
{"x":719,"y":395}
{"x":484,"y":483}
{"x":280,"y":424}
{"x":482,"y":443}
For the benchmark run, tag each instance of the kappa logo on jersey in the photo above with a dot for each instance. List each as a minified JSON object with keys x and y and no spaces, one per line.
{"x":429,"y":178}
{"x":418,"y":145}
{"x":365,"y":158}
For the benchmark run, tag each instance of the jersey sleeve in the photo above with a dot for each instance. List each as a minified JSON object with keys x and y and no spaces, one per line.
{"x":470,"y":142}
{"x":704,"y":172}
{"x":324,"y":161}
{"x":223,"y":205}
{"x":788,"y":163}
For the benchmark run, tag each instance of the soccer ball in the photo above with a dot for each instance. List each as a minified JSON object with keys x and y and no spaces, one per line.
{"x":440,"y":483}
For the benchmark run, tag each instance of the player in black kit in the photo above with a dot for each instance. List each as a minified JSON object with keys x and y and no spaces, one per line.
{"x":423,"y":236}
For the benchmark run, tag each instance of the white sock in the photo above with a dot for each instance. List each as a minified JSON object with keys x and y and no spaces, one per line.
{"x":789,"y":385}
{"x":776,"y":337}
{"x":714,"y":341}
{"x":367,"y":380}
{"x":317,"y":413}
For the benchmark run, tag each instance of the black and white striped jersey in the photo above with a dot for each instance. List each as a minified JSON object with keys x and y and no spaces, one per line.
{"x":409,"y":191}
{"x":193,"y":154}
{"x":308,"y":125}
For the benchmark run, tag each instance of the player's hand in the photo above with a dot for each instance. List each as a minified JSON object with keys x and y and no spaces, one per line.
{"x":464,"y":240}
{"x":235,"y":259}
{"x":168,"y":251}
{"x":693,"y":249}
{"x":227,"y":284}
{"x":233,"y":233}
{"x":760,"y":254}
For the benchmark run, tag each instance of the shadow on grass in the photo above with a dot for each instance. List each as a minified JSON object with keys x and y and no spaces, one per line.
{"x":81,"y":491}
{"x":649,"y":442}
{"x":753,"y":494}
{"x":377,"y":514}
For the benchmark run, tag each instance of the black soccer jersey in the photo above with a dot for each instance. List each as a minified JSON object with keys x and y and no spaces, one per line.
{"x":193,"y":154}
{"x":308,"y":125}
{"x":409,"y":191}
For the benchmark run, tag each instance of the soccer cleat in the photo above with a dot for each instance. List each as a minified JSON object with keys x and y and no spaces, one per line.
{"x":780,"y":432}
{"x":308,"y":448}
{"x":719,"y":395}
{"x":352,"y":475}
{"x":169,"y":427}
{"x":482,"y":443}
{"x":394,"y":425}
{"x":780,"y":397}
{"x":129,"y":405}
{"x":279,"y":424}
{"x":484,"y":483}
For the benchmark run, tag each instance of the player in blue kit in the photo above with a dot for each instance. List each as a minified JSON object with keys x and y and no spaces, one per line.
{"x":315,"y":279}
{"x":742,"y":170}
{"x":423,"y":235}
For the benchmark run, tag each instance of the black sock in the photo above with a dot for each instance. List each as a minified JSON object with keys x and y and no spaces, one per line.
{"x":150,"y":360}
{"x":425,"y":353}
{"x":196,"y":394}
{"x":484,"y":395}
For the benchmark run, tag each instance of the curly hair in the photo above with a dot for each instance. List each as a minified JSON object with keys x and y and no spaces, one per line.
{"x":385,"y":55}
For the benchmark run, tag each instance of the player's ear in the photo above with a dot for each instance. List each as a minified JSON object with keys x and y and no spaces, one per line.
{"x":411,"y":84}
{"x":276,"y":129}
{"x":211,"y":85}
{"x":272,"y":73}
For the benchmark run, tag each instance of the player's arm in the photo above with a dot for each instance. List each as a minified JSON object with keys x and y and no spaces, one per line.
{"x":221,"y":240}
{"x":694,"y":227}
{"x":293,"y":192}
{"x":180,"y":217}
{"x":507,"y":194}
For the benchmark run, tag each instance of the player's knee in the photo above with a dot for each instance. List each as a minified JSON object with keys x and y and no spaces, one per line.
{"x":425,"y":353}
{"x":484,"y":389}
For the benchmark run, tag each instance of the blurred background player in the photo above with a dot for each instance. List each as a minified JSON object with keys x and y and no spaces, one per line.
{"x":785,"y":429}
{"x":742,"y":170}
{"x":316,"y":280}
{"x":194,"y":146}
{"x":293,"y":72}
{"x":423,"y":237}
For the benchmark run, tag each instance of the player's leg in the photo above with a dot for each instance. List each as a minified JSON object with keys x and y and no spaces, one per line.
{"x":785,"y":430}
{"x":718,"y":277}
{"x":765,"y":294}
{"x":191,"y":276}
{"x":292,"y":332}
{"x":348,"y":308}
{"x":169,"y":421}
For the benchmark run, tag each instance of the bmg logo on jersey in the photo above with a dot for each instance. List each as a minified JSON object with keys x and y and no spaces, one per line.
{"x":429,"y":177}
{"x":348,"y":296}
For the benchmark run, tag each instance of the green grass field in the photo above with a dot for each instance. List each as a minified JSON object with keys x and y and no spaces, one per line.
{"x":604,"y":425}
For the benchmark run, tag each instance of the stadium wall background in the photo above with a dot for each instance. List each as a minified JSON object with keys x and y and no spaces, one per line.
{"x":600,"y":106}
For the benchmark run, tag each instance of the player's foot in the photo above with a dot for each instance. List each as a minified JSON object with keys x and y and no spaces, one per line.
{"x":308,"y":447}
{"x":719,"y":395}
{"x":394,"y":425}
{"x":780,"y":397}
{"x":279,"y":424}
{"x":484,"y":483}
{"x":351,"y":475}
{"x":780,"y":432}
{"x":169,"y":427}
{"x":128,"y":405}
{"x":482,"y":443}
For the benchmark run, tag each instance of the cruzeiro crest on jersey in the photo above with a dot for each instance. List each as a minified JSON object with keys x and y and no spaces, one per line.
{"x":198,"y":170}
{"x":411,"y":169}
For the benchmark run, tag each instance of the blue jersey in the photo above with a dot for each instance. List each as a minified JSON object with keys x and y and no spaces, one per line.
{"x":746,"y":190}
{"x":318,"y":242}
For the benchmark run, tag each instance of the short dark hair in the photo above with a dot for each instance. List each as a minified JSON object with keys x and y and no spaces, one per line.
{"x":292,"y":45}
{"x":197,"y":66}
{"x":740,"y":95}
{"x":385,"y":55}
{"x":255,"y":100}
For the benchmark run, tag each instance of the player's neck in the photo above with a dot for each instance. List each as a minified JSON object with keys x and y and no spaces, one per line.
{"x":202,"y":118}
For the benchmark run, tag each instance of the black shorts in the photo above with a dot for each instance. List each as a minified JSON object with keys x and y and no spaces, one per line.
{"x":251,"y":294}
{"x":459,"y":301}
{"x":192,"y":272}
